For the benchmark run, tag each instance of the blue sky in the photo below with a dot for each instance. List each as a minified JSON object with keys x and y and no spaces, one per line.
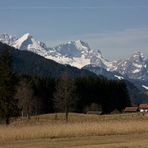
{"x":116,"y":27}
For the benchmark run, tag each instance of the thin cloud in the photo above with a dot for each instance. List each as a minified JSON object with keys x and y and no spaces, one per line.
{"x":71,"y":7}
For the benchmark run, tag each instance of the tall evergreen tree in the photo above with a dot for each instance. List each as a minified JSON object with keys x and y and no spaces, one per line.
{"x":8,"y":105}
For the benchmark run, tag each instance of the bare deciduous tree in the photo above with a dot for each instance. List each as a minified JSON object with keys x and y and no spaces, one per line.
{"x":24,"y":95}
{"x":63,"y":97}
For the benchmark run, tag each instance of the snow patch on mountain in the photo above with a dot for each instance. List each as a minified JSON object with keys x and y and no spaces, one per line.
{"x":136,"y":71}
{"x":137,"y":65}
{"x":146,"y":87}
{"x":119,"y":77}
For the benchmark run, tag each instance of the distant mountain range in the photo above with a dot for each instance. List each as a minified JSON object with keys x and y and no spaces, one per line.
{"x":29,"y":63}
{"x":80,"y":55}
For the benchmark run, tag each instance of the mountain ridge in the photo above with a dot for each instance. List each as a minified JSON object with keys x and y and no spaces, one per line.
{"x":39,"y":66}
{"x":79,"y":54}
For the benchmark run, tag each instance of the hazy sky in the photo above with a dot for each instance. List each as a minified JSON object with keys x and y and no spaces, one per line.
{"x":116,"y":27}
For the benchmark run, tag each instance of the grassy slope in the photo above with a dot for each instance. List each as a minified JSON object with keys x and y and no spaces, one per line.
{"x":81,"y":131}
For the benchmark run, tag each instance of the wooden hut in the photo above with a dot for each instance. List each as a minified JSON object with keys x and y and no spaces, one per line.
{"x":143,"y":108}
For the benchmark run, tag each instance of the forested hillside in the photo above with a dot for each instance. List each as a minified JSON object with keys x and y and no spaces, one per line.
{"x":42,"y":86}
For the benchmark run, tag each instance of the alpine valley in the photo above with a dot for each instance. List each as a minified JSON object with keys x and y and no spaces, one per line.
{"x":133,"y":70}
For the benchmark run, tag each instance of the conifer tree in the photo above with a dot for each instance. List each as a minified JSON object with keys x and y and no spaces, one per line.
{"x":8,"y":105}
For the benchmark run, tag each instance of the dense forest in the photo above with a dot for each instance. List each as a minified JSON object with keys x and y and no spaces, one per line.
{"x":26,"y":94}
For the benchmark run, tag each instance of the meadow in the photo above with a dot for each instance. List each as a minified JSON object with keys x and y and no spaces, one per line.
{"x":82,"y":130}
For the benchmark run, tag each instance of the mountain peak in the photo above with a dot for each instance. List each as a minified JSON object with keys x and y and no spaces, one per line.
{"x":138,"y":53}
{"x":23,"y":41}
{"x":26,"y":36}
{"x":27,"y":42}
{"x":81,"y":44}
{"x":137,"y":57}
{"x":75,"y":49}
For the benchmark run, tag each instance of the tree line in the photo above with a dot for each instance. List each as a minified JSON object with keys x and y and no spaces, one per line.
{"x":27,"y":95}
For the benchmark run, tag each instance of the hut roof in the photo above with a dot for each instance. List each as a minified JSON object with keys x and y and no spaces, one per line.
{"x":131,"y":109}
{"x":143,"y":106}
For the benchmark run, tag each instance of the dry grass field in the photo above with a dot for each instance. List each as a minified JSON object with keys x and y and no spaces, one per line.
{"x":82,"y":130}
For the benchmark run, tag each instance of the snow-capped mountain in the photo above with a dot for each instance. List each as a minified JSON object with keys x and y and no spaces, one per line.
{"x":135,"y":67}
{"x":7,"y":39}
{"x":79,"y":54}
{"x":27,"y":42}
{"x":75,"y":53}
{"x":146,"y":87}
